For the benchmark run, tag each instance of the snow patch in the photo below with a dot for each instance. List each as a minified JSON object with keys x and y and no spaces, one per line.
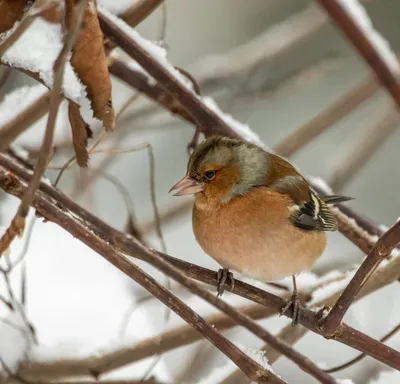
{"x":36,"y":51}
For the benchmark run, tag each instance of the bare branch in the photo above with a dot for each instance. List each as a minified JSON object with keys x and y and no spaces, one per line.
{"x":20,"y":123}
{"x":362,"y":355}
{"x":139,"y":11}
{"x":381,"y":250}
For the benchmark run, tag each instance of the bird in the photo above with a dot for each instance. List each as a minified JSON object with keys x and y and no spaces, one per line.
{"x":255,"y":214}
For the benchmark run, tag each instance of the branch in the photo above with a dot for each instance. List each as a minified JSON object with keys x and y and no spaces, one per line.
{"x":360,"y":357}
{"x":355,"y":25}
{"x":20,"y":123}
{"x":381,"y":250}
{"x":139,"y":11}
{"x":56,"y":207}
{"x":18,"y":222}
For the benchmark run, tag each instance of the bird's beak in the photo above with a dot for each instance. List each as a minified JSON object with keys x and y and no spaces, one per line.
{"x":187,"y":186}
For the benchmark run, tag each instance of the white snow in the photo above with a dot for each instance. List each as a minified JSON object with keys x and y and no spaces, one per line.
{"x":361,"y":18}
{"x":15,"y":340}
{"x":241,"y":129}
{"x":344,"y":381}
{"x":387,"y":377}
{"x":258,"y":356}
{"x":36,"y":50}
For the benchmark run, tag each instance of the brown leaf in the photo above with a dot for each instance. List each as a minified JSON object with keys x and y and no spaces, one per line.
{"x":89,"y":61}
{"x":79,"y":134}
{"x":10,"y":12}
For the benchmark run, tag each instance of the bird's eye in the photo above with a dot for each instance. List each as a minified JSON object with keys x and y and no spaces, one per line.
{"x":209,"y":175}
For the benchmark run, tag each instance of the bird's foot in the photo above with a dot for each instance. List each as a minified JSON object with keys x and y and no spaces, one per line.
{"x":224,"y":276}
{"x":294,"y":302}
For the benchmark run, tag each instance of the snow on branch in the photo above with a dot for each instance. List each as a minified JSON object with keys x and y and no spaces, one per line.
{"x":36,"y":52}
{"x":360,"y":17}
{"x":163,"y":71}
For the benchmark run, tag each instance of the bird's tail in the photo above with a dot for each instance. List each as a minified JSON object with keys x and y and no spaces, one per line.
{"x":334,"y":199}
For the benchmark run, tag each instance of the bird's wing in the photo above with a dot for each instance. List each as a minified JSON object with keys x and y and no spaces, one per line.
{"x":309,"y":211}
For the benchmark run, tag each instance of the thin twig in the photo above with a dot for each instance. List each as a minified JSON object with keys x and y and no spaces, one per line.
{"x":381,"y":250}
{"x":17,"y":225}
{"x":139,"y":11}
{"x":25,"y":118}
{"x":123,"y":191}
{"x":362,"y":355}
{"x":172,"y":213}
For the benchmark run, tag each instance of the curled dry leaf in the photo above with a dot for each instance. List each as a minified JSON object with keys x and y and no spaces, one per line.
{"x":89,"y":61}
{"x":80,"y":134}
{"x":10,"y":12}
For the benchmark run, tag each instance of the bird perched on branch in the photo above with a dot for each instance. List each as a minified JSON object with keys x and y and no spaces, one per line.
{"x":254,"y":213}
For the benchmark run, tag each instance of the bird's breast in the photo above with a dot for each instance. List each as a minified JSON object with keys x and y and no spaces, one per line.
{"x":254,"y":236}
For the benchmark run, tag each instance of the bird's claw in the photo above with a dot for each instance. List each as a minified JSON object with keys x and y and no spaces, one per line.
{"x":294,"y":302}
{"x":224,"y":276}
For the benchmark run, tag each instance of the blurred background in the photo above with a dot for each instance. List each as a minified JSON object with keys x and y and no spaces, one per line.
{"x":81,"y":305}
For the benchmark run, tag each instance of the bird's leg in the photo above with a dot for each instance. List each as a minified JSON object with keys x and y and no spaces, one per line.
{"x":224,"y":276}
{"x":295,"y":302}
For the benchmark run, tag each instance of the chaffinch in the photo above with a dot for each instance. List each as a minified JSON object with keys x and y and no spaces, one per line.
{"x":254,"y":213}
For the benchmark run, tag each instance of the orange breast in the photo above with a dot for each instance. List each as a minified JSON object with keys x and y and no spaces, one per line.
{"x":253,"y":235}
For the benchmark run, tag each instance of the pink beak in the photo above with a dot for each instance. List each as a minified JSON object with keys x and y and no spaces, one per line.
{"x":187,"y":186}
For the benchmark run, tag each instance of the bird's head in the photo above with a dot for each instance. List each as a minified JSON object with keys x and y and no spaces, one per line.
{"x":220,"y":168}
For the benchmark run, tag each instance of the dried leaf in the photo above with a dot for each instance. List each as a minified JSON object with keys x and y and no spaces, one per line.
{"x":89,"y":61}
{"x":79,"y":134}
{"x":10,"y":12}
